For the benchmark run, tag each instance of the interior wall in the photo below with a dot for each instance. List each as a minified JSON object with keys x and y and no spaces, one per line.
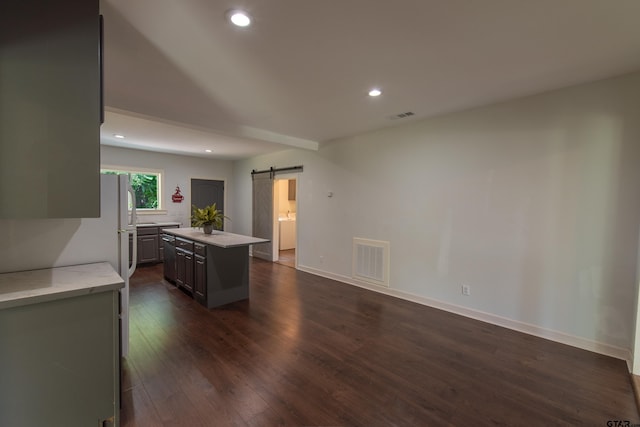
{"x":178,"y":171}
{"x":533,"y":203}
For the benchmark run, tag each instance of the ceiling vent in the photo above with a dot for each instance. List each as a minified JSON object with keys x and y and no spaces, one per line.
{"x":401,"y":115}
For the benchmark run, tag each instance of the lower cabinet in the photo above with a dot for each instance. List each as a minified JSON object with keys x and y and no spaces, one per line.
{"x":211,"y":274}
{"x":147,"y":248}
{"x":188,"y":271}
{"x":191,"y":268}
{"x":169,"y":252}
{"x":200,"y":279}
{"x":59,"y":362}
{"x":180,"y":267}
{"x":149,"y":244}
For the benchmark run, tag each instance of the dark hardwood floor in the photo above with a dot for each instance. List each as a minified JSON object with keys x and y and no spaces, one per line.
{"x":308,"y":351}
{"x":287,"y":257}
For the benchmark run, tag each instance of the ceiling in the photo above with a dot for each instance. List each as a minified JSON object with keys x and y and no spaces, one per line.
{"x":180,"y":78}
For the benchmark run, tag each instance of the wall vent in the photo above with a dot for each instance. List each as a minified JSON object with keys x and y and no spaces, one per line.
{"x":401,"y":115}
{"x":371,"y":261}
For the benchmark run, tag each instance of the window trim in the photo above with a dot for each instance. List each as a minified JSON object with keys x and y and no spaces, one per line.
{"x":160,"y":172}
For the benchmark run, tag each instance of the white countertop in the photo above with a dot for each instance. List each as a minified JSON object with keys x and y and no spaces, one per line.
{"x":35,"y":286}
{"x":158,"y":224}
{"x":217,"y":238}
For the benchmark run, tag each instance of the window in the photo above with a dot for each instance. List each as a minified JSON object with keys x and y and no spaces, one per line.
{"x":146,"y":186}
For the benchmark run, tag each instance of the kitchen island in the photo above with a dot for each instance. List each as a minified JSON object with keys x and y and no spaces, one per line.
{"x":213,"y":268}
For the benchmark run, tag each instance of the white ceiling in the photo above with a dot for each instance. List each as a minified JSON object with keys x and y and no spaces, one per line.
{"x":180,"y":78}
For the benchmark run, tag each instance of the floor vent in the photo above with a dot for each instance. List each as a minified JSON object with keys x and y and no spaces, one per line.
{"x":371,"y":261}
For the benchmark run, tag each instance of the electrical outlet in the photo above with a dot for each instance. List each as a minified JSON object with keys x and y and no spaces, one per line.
{"x":466,"y":290}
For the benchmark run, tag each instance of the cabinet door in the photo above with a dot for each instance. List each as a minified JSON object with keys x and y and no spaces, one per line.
{"x":60,"y":362}
{"x":292,"y":189}
{"x":200,"y":280}
{"x":50,"y":106}
{"x":180,"y":267}
{"x":188,"y":275}
{"x":148,"y":248}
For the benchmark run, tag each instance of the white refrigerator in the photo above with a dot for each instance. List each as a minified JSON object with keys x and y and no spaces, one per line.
{"x":45,"y":243}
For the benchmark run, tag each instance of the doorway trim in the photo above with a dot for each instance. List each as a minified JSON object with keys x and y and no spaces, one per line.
{"x":292,"y":172}
{"x":276,"y":221}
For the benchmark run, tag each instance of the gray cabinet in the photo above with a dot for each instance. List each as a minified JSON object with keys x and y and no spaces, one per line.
{"x":169,"y":245}
{"x":200,"y":273}
{"x":148,"y":243}
{"x":50,"y":107}
{"x":59,"y":362}
{"x":184,"y":264}
{"x":190,"y":268}
{"x":180,"y":267}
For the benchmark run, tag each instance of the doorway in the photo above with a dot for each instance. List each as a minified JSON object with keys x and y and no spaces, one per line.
{"x":275,"y":204}
{"x":285,"y":202}
{"x":205,"y":192}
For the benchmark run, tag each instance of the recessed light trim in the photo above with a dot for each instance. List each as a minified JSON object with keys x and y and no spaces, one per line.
{"x":375,"y":92}
{"x":239,"y":18}
{"x":117,"y":135}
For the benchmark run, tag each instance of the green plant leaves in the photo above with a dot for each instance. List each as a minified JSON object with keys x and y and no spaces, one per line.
{"x":207,"y":215}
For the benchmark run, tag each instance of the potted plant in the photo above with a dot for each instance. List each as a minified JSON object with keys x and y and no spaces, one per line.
{"x":208,"y":218}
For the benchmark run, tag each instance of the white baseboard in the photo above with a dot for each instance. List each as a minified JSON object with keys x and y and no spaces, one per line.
{"x":557,"y":336}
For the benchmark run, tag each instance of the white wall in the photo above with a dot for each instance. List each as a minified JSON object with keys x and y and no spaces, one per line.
{"x":534,"y":203}
{"x":44,"y":243}
{"x":178,"y":171}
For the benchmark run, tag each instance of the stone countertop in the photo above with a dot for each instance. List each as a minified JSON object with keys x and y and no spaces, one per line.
{"x":36,"y":286}
{"x":158,"y":224}
{"x":217,"y":238}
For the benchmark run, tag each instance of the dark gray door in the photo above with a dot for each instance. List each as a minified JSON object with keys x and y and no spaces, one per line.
{"x":206,"y":191}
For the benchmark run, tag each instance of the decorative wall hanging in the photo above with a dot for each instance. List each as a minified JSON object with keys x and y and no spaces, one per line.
{"x":177,"y":197}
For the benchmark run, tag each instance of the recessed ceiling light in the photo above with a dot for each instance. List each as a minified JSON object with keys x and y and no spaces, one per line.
{"x":239,"y":18}
{"x":117,"y":135}
{"x":207,"y":151}
{"x":375,"y":92}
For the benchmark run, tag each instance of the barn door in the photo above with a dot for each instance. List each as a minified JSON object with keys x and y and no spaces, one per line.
{"x":263,"y":214}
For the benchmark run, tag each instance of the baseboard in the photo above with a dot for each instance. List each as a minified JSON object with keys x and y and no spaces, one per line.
{"x":557,"y":336}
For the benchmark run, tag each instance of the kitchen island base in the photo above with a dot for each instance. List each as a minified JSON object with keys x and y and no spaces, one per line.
{"x":213,"y":268}
{"x":227,"y":275}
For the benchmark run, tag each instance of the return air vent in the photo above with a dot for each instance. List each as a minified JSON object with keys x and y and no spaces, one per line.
{"x":371,"y":261}
{"x":401,"y":115}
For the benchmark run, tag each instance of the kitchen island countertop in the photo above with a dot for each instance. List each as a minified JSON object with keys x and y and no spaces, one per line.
{"x":221,"y":239}
{"x":158,"y":224}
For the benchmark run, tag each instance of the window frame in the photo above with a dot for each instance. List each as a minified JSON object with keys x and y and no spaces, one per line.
{"x":144,"y":171}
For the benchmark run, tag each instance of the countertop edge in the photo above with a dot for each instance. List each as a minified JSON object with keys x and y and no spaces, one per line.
{"x":69,"y":281}
{"x":200,"y":237}
{"x":158,"y":224}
